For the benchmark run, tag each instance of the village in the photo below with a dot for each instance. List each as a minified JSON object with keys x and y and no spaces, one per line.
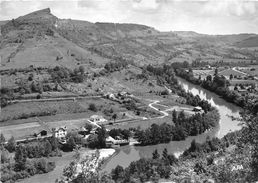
{"x":84,"y":127}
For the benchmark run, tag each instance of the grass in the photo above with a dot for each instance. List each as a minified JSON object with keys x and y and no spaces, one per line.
{"x":21,"y":130}
{"x":248,"y":70}
{"x":61,"y":163}
{"x":25,"y":110}
{"x":143,"y":124}
{"x":238,"y":81}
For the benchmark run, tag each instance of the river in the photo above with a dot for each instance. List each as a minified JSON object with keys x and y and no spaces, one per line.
{"x":127,"y":154}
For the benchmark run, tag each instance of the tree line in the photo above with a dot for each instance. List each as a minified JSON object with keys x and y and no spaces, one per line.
{"x":166,"y":76}
{"x":181,"y":128}
{"x":217,"y":84}
{"x":143,"y":170}
{"x":29,"y":158}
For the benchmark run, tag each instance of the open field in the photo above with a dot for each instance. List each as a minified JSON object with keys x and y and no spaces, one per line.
{"x":25,"y":110}
{"x":203,"y":73}
{"x":21,"y":130}
{"x":143,"y":124}
{"x":251,"y":70}
{"x":61,"y":163}
{"x":242,"y":81}
{"x":50,"y":108}
{"x":70,"y":124}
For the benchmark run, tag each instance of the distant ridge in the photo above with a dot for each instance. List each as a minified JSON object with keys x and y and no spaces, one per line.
{"x":42,"y":39}
{"x":36,"y":19}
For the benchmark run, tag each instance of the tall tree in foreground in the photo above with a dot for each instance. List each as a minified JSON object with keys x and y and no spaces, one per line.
{"x":20,"y":158}
{"x":250,"y":136}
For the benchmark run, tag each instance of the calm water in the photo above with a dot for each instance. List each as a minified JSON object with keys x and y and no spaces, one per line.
{"x":125,"y":155}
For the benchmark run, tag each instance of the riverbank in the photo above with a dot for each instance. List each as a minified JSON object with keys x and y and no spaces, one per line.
{"x":92,"y":160}
{"x":127,"y":154}
{"x":64,"y":161}
{"x":218,"y":85}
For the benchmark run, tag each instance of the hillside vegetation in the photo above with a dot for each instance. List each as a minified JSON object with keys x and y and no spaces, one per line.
{"x":42,"y":39}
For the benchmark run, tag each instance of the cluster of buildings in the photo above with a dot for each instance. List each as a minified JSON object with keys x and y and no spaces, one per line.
{"x":61,"y":132}
{"x":118,"y":97}
{"x":245,"y":89}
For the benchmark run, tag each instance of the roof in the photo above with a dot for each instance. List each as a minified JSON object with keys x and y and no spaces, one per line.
{"x":64,"y":128}
{"x":198,"y":107}
{"x":96,"y":116}
{"x":109,"y":138}
{"x":242,"y":90}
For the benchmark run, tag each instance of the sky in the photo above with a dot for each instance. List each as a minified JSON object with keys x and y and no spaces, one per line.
{"x":202,"y":16}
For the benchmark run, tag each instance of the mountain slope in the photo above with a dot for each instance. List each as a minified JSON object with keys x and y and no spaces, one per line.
{"x":41,"y":39}
{"x":249,"y":42}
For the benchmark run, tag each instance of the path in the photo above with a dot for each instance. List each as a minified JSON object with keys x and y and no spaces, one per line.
{"x":165,"y":114}
{"x":54,"y":99}
{"x":234,"y":68}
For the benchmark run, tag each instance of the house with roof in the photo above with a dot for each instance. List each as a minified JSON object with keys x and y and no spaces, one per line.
{"x":197,"y":109}
{"x":60,"y":132}
{"x":41,"y":133}
{"x":97,"y":119}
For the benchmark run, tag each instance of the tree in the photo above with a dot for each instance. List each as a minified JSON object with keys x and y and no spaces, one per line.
{"x":101,"y":136}
{"x":4,"y":156}
{"x":81,"y":69}
{"x":71,"y":143}
{"x":11,"y":144}
{"x":209,"y":78}
{"x":92,"y":141}
{"x":250,"y":136}
{"x":216,"y":72}
{"x":193,"y":146}
{"x":165,"y":154}
{"x":70,"y":171}
{"x":174,"y":116}
{"x":172,"y":159}
{"x":54,"y":143}
{"x":117,"y":173}
{"x":199,"y":168}
{"x":155,"y":154}
{"x":2,"y":139}
{"x":48,"y":148}
{"x":20,"y":158}
{"x":88,"y":127}
{"x":93,"y":107}
{"x":114,"y":117}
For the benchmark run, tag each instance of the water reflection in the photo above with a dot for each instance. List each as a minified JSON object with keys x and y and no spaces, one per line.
{"x":127,"y":154}
{"x":226,"y":109}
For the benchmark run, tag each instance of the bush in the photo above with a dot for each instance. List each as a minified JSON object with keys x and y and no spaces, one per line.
{"x":93,"y":107}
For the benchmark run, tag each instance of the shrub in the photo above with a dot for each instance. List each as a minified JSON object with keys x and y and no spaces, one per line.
{"x":93,"y":107}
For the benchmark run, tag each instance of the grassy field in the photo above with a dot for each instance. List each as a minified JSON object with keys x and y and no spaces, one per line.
{"x":251,"y":70}
{"x":143,"y":124}
{"x":238,"y":81}
{"x":23,"y":110}
{"x":26,"y":110}
{"x":202,"y":73}
{"x":61,"y":163}
{"x":21,"y":130}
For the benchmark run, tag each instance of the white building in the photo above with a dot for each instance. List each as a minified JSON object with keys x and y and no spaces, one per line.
{"x":197,"y":109}
{"x":60,"y":132}
{"x":97,"y":119}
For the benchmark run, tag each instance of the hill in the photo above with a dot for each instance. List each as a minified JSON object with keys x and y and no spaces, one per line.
{"x":249,"y":42}
{"x":42,"y":39}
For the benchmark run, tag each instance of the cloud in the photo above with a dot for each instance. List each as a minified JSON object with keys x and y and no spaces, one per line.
{"x":204,"y":16}
{"x":145,"y":4}
{"x":229,"y":7}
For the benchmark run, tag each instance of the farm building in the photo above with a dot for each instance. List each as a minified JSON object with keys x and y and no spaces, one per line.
{"x":197,"y":109}
{"x":60,"y":132}
{"x":41,"y":133}
{"x":97,"y":119}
